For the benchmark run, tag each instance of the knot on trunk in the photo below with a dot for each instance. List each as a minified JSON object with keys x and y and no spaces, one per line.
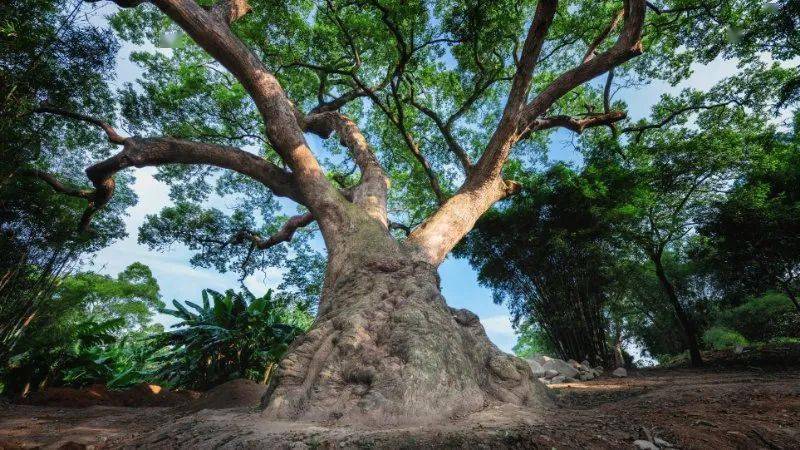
{"x":465,"y":317}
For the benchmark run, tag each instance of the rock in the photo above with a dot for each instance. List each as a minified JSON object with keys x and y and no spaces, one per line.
{"x":738,"y":349}
{"x":586,"y":376}
{"x":561,"y":367}
{"x":570,"y":380}
{"x":544,"y":380}
{"x":541,"y":359}
{"x":558,"y":379}
{"x":586,"y":363}
{"x":550,"y":373}
{"x":573,"y":363}
{"x":536,"y":368}
{"x":662,"y":443}
{"x":641,"y":444}
{"x":620,"y":372}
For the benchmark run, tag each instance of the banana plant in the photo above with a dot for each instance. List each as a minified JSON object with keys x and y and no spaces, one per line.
{"x":230,"y":335}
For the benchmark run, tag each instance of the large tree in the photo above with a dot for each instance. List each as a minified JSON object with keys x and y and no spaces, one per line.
{"x":446,"y":91}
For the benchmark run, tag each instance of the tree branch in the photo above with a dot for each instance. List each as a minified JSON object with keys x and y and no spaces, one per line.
{"x":284,"y":234}
{"x":372,"y":191}
{"x":230,"y":11}
{"x":138,"y":152}
{"x":112,"y":134}
{"x":57,"y":185}
{"x":640,"y":129}
{"x":590,"y":52}
{"x":627,"y":46}
{"x":578,"y":125}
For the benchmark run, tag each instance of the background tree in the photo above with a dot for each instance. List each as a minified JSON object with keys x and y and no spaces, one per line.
{"x":48,"y":53}
{"x":85,"y":332}
{"x":549,"y":255}
{"x":754,"y":233}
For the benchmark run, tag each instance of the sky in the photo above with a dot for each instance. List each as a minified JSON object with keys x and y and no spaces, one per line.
{"x":179,"y":280}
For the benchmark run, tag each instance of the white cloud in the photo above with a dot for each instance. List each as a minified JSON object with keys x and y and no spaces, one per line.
{"x":500,"y":331}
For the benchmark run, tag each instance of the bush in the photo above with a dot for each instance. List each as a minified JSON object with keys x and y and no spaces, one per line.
{"x":789,"y":326}
{"x":759,"y":319}
{"x":720,"y":338}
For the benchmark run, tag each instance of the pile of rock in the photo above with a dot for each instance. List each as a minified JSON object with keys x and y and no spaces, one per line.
{"x":553,"y":370}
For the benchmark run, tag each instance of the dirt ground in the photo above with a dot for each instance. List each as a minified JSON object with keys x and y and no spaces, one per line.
{"x":741,"y":408}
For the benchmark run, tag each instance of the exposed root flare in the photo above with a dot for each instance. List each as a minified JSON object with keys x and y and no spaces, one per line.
{"x":389,"y":350}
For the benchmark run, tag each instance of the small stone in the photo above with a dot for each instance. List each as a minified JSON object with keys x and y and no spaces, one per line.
{"x":550,"y":373}
{"x":586,"y":377}
{"x":641,"y":444}
{"x":620,"y":372}
{"x":559,"y":379}
{"x":544,"y":380}
{"x":586,"y":363}
{"x":662,"y":443}
{"x":570,"y":380}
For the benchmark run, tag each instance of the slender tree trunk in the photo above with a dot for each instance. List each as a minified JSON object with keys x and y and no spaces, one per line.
{"x":792,"y":296}
{"x":689,"y":330}
{"x":386,"y":348}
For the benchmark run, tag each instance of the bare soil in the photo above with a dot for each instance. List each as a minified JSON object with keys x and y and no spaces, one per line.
{"x":709,"y":408}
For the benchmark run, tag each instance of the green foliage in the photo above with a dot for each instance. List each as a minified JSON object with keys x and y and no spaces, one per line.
{"x":759,"y":319}
{"x":48,"y":52}
{"x":547,"y":255}
{"x":89,"y":330}
{"x":532,"y":340}
{"x":720,"y":338}
{"x":231,"y":335}
{"x":754,"y":233}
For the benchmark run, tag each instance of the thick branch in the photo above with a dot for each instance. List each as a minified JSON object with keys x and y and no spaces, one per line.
{"x":372,"y":191}
{"x":138,"y":152}
{"x":484,"y":186}
{"x":279,"y":114}
{"x":577,"y":124}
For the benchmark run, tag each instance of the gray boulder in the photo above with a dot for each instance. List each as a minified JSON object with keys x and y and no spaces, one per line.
{"x":561,"y":367}
{"x":641,"y":444}
{"x":536,"y":368}
{"x":558,"y":379}
{"x":550,"y":373}
{"x":541,"y":359}
{"x":620,"y":372}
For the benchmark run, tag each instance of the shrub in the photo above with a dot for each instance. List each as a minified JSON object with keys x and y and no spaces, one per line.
{"x":720,"y":338}
{"x":759,"y":319}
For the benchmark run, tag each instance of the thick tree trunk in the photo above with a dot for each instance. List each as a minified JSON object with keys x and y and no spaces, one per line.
{"x":689,"y":330}
{"x":386,"y":348}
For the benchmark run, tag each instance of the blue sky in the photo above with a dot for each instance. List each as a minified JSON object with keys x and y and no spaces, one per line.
{"x":179,"y":280}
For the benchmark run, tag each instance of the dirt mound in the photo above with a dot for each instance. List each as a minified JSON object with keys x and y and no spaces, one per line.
{"x":140,"y":395}
{"x":237,"y":393}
